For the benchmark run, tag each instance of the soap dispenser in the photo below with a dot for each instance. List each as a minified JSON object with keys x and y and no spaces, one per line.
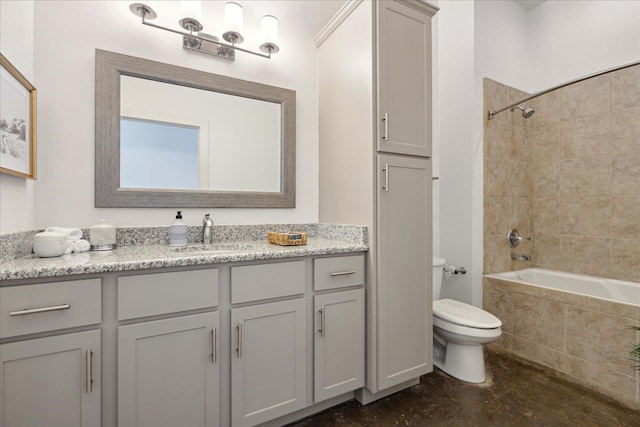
{"x":178,"y":231}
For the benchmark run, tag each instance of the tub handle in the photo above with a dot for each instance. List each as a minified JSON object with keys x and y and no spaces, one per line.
{"x":513,"y":239}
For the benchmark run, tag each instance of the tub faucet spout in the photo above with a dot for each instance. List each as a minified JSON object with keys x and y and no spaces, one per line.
{"x":520,"y":257}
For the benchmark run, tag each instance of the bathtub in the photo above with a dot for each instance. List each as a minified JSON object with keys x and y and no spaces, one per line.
{"x":609,"y":289}
{"x":578,"y":325}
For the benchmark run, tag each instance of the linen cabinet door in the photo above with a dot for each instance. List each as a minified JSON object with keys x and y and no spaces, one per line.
{"x":268,"y":361}
{"x":51,"y":382}
{"x":404,"y":269}
{"x":338,"y":343}
{"x":169,"y":372}
{"x":404,"y":78}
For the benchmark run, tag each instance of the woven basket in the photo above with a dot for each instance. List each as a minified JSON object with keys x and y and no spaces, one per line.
{"x":291,"y":238}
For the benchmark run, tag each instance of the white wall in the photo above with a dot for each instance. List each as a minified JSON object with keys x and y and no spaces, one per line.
{"x":474,"y":40}
{"x":501,"y":45}
{"x":571,"y":39}
{"x":66,"y":34}
{"x":16,"y":44}
{"x":454,"y":136}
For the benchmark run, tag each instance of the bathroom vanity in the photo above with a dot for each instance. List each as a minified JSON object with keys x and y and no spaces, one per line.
{"x":235,"y":334}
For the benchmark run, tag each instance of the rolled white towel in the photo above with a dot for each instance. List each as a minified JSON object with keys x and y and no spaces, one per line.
{"x":74,"y":234}
{"x":81,"y":246}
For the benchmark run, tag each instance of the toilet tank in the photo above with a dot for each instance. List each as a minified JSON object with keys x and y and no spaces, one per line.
{"x":438,"y":265}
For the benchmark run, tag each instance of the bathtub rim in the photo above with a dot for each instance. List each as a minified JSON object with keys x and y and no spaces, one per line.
{"x":508,"y":277}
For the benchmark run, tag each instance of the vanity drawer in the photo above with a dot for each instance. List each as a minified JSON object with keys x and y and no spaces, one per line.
{"x":264,"y":281}
{"x":49,"y":306}
{"x":161,"y":293}
{"x":338,"y":272}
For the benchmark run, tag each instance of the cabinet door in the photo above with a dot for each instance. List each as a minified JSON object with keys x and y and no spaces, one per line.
{"x":404,"y":269}
{"x":404,"y":79}
{"x":338,"y":343}
{"x":268,"y":374}
{"x":168,"y":372}
{"x":52,"y":381}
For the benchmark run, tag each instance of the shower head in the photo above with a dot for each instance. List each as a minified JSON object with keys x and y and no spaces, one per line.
{"x":526,"y":112}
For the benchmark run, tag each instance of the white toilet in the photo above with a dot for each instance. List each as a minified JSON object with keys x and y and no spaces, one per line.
{"x":459,"y":331}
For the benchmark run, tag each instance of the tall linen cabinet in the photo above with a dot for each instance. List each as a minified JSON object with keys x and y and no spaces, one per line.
{"x":375,"y":169}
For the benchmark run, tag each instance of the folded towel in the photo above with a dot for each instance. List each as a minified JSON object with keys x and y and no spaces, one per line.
{"x":81,"y":246}
{"x":73,"y":234}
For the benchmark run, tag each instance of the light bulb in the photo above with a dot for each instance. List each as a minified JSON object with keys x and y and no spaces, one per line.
{"x":269,"y":29}
{"x":269,"y":34}
{"x":191,"y":9}
{"x":190,"y":13}
{"x":233,"y":23}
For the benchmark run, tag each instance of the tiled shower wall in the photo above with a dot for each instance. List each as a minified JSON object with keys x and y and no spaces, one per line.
{"x":569,"y":177}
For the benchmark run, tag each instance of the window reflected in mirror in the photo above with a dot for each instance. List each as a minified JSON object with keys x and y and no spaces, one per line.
{"x":159,"y":155}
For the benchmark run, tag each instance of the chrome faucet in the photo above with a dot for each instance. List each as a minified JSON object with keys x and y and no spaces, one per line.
{"x":514,"y":239}
{"x":520,"y":257}
{"x":207,"y":230}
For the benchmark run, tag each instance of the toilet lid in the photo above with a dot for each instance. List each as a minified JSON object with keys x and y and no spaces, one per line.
{"x":464,"y":314}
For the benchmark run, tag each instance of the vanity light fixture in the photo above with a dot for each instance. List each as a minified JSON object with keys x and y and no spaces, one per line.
{"x":195,"y":40}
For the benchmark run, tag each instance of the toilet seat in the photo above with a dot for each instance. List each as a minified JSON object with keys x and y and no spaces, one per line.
{"x":466,"y":332}
{"x":466,"y":315}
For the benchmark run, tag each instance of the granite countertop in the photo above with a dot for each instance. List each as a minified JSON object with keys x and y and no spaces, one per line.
{"x":158,"y":256}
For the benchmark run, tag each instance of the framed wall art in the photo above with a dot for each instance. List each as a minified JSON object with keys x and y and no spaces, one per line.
{"x":17,"y":122}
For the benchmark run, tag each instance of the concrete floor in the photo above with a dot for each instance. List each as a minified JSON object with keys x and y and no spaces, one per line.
{"x":516,"y":393}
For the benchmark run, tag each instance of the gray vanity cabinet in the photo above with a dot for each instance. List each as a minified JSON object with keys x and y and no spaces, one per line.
{"x":404,"y":272}
{"x":404,"y":78}
{"x":338,"y":343}
{"x":229,"y":344}
{"x":53,"y":380}
{"x":375,"y":148}
{"x":268,"y":361}
{"x":268,"y":342}
{"x":339,"y":328}
{"x":169,"y":372}
{"x":169,"y":369}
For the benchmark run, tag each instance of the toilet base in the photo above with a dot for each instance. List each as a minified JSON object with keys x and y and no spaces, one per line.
{"x":464,"y":362}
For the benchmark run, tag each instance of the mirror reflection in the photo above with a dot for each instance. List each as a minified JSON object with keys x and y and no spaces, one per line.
{"x":178,"y":137}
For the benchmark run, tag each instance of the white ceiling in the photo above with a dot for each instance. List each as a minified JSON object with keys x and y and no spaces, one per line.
{"x":529,"y":4}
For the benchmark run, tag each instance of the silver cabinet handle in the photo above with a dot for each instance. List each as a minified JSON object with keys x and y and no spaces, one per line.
{"x":89,"y":372}
{"x":40,"y":310}
{"x":321,"y":330}
{"x":385,"y":187}
{"x":342,"y":273}
{"x":239,"y":348}
{"x":214,"y":346}
{"x":385,"y":119}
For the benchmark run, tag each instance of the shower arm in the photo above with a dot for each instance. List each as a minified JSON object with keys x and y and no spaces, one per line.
{"x":491,"y":114}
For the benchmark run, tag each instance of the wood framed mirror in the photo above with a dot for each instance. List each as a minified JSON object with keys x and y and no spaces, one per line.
{"x":169,"y":136}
